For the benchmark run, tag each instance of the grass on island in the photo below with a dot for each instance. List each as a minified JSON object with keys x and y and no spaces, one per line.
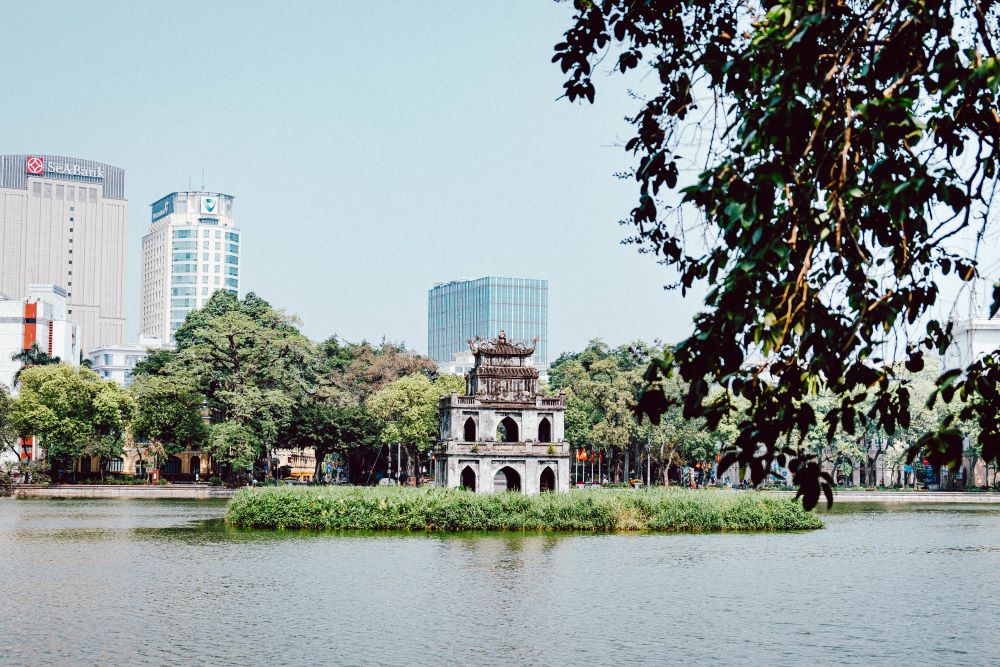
{"x":436,"y":509}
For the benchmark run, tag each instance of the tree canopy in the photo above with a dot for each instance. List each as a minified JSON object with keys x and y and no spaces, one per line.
{"x":73,"y":411}
{"x":839,"y":149}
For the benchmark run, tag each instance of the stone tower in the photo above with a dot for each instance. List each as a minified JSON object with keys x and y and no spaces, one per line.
{"x":502,"y":435}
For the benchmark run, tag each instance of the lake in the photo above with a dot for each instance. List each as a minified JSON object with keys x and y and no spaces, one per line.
{"x":165,"y":582}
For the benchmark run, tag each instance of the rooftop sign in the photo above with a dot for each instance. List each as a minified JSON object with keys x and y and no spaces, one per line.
{"x":37,"y":165}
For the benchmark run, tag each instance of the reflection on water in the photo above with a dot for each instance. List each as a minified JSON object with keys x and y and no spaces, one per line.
{"x":151,"y":583}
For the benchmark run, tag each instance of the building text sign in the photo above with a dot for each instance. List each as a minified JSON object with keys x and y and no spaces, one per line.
{"x":39,"y":166}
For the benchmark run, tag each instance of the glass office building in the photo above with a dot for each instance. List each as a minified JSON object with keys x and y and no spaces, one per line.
{"x":463,"y":309}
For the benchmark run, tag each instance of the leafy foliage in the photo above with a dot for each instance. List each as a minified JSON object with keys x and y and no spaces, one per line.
{"x":845,"y":144}
{"x":168,"y":414}
{"x":453,"y":510}
{"x":74,"y":411}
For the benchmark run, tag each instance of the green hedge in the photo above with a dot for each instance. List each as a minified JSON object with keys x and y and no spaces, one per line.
{"x":435,"y":509}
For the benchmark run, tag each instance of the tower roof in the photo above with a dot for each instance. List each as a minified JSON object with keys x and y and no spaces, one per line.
{"x":501,"y":347}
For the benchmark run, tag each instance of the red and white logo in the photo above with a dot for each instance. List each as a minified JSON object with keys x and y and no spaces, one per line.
{"x":34,"y":164}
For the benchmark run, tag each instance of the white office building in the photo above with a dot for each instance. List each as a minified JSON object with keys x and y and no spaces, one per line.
{"x":40,"y":318}
{"x":115,"y":362}
{"x":62,"y":222}
{"x":192,"y":250}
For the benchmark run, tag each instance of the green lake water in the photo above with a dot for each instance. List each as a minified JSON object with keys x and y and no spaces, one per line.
{"x":165,"y":582}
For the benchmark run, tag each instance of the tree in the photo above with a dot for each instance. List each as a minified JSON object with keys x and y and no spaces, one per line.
{"x":333,"y":417}
{"x":408,"y":410}
{"x":168,"y":415}
{"x":33,"y":356}
{"x":250,"y":365}
{"x":845,"y":145}
{"x":8,"y":430}
{"x":73,"y":411}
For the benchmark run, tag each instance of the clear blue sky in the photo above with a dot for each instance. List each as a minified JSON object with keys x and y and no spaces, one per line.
{"x":373,"y":149}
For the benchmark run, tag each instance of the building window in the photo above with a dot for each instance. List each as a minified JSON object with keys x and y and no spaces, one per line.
{"x":232,"y":259}
{"x":107,"y":359}
{"x":47,"y":189}
{"x":232,"y":282}
{"x":184,"y":233}
{"x":36,"y":189}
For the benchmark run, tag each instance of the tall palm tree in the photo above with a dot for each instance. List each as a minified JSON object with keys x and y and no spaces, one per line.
{"x":33,"y":356}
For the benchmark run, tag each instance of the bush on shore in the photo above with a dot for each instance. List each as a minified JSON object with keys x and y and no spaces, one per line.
{"x":435,"y":509}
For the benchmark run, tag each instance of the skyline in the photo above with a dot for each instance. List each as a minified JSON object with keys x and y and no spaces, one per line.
{"x":357,"y":195}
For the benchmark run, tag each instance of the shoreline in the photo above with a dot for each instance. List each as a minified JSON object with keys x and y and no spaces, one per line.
{"x":125,"y":491}
{"x":925,"y":497}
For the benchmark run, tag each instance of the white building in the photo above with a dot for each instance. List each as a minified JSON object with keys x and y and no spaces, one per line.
{"x":192,"y":250}
{"x":502,"y":435}
{"x":62,"y":222}
{"x":115,"y":362}
{"x":40,"y":318}
{"x":971,"y":339}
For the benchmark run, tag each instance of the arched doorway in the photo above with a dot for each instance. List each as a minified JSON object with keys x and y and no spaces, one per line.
{"x":195,"y":465}
{"x":470,"y":430}
{"x":506,"y":479}
{"x":468,"y":478}
{"x":507,"y":430}
{"x":547,"y":481}
{"x":173,"y":466}
{"x":545,"y":430}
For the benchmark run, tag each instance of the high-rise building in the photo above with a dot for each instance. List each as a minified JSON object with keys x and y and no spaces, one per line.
{"x":461,"y":310}
{"x":192,"y":250}
{"x":62,"y":222}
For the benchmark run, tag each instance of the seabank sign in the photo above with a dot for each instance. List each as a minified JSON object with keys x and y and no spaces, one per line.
{"x":37,"y":165}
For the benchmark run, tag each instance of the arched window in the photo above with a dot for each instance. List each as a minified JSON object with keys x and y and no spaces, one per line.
{"x":547,"y":481}
{"x":195,"y":465}
{"x":470,"y":430}
{"x":507,"y":479}
{"x":545,"y":430}
{"x":507,"y":430}
{"x":468,"y":478}
{"x":85,"y":464}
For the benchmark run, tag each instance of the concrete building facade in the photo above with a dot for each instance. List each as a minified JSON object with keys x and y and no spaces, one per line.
{"x":63,"y":222}
{"x":503,"y":435}
{"x":115,"y":362}
{"x":41,"y":318}
{"x":191,"y":251}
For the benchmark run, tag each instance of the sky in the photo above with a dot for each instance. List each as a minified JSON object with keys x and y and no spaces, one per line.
{"x":374,"y":149}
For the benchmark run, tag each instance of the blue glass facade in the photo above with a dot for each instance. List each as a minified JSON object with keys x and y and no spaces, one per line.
{"x":458,"y":311}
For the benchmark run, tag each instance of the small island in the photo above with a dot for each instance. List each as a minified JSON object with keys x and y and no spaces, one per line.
{"x":431,"y":509}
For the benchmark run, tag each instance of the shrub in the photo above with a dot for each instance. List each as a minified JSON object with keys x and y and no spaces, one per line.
{"x":6,"y":484}
{"x":435,"y":509}
{"x":215,"y":480}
